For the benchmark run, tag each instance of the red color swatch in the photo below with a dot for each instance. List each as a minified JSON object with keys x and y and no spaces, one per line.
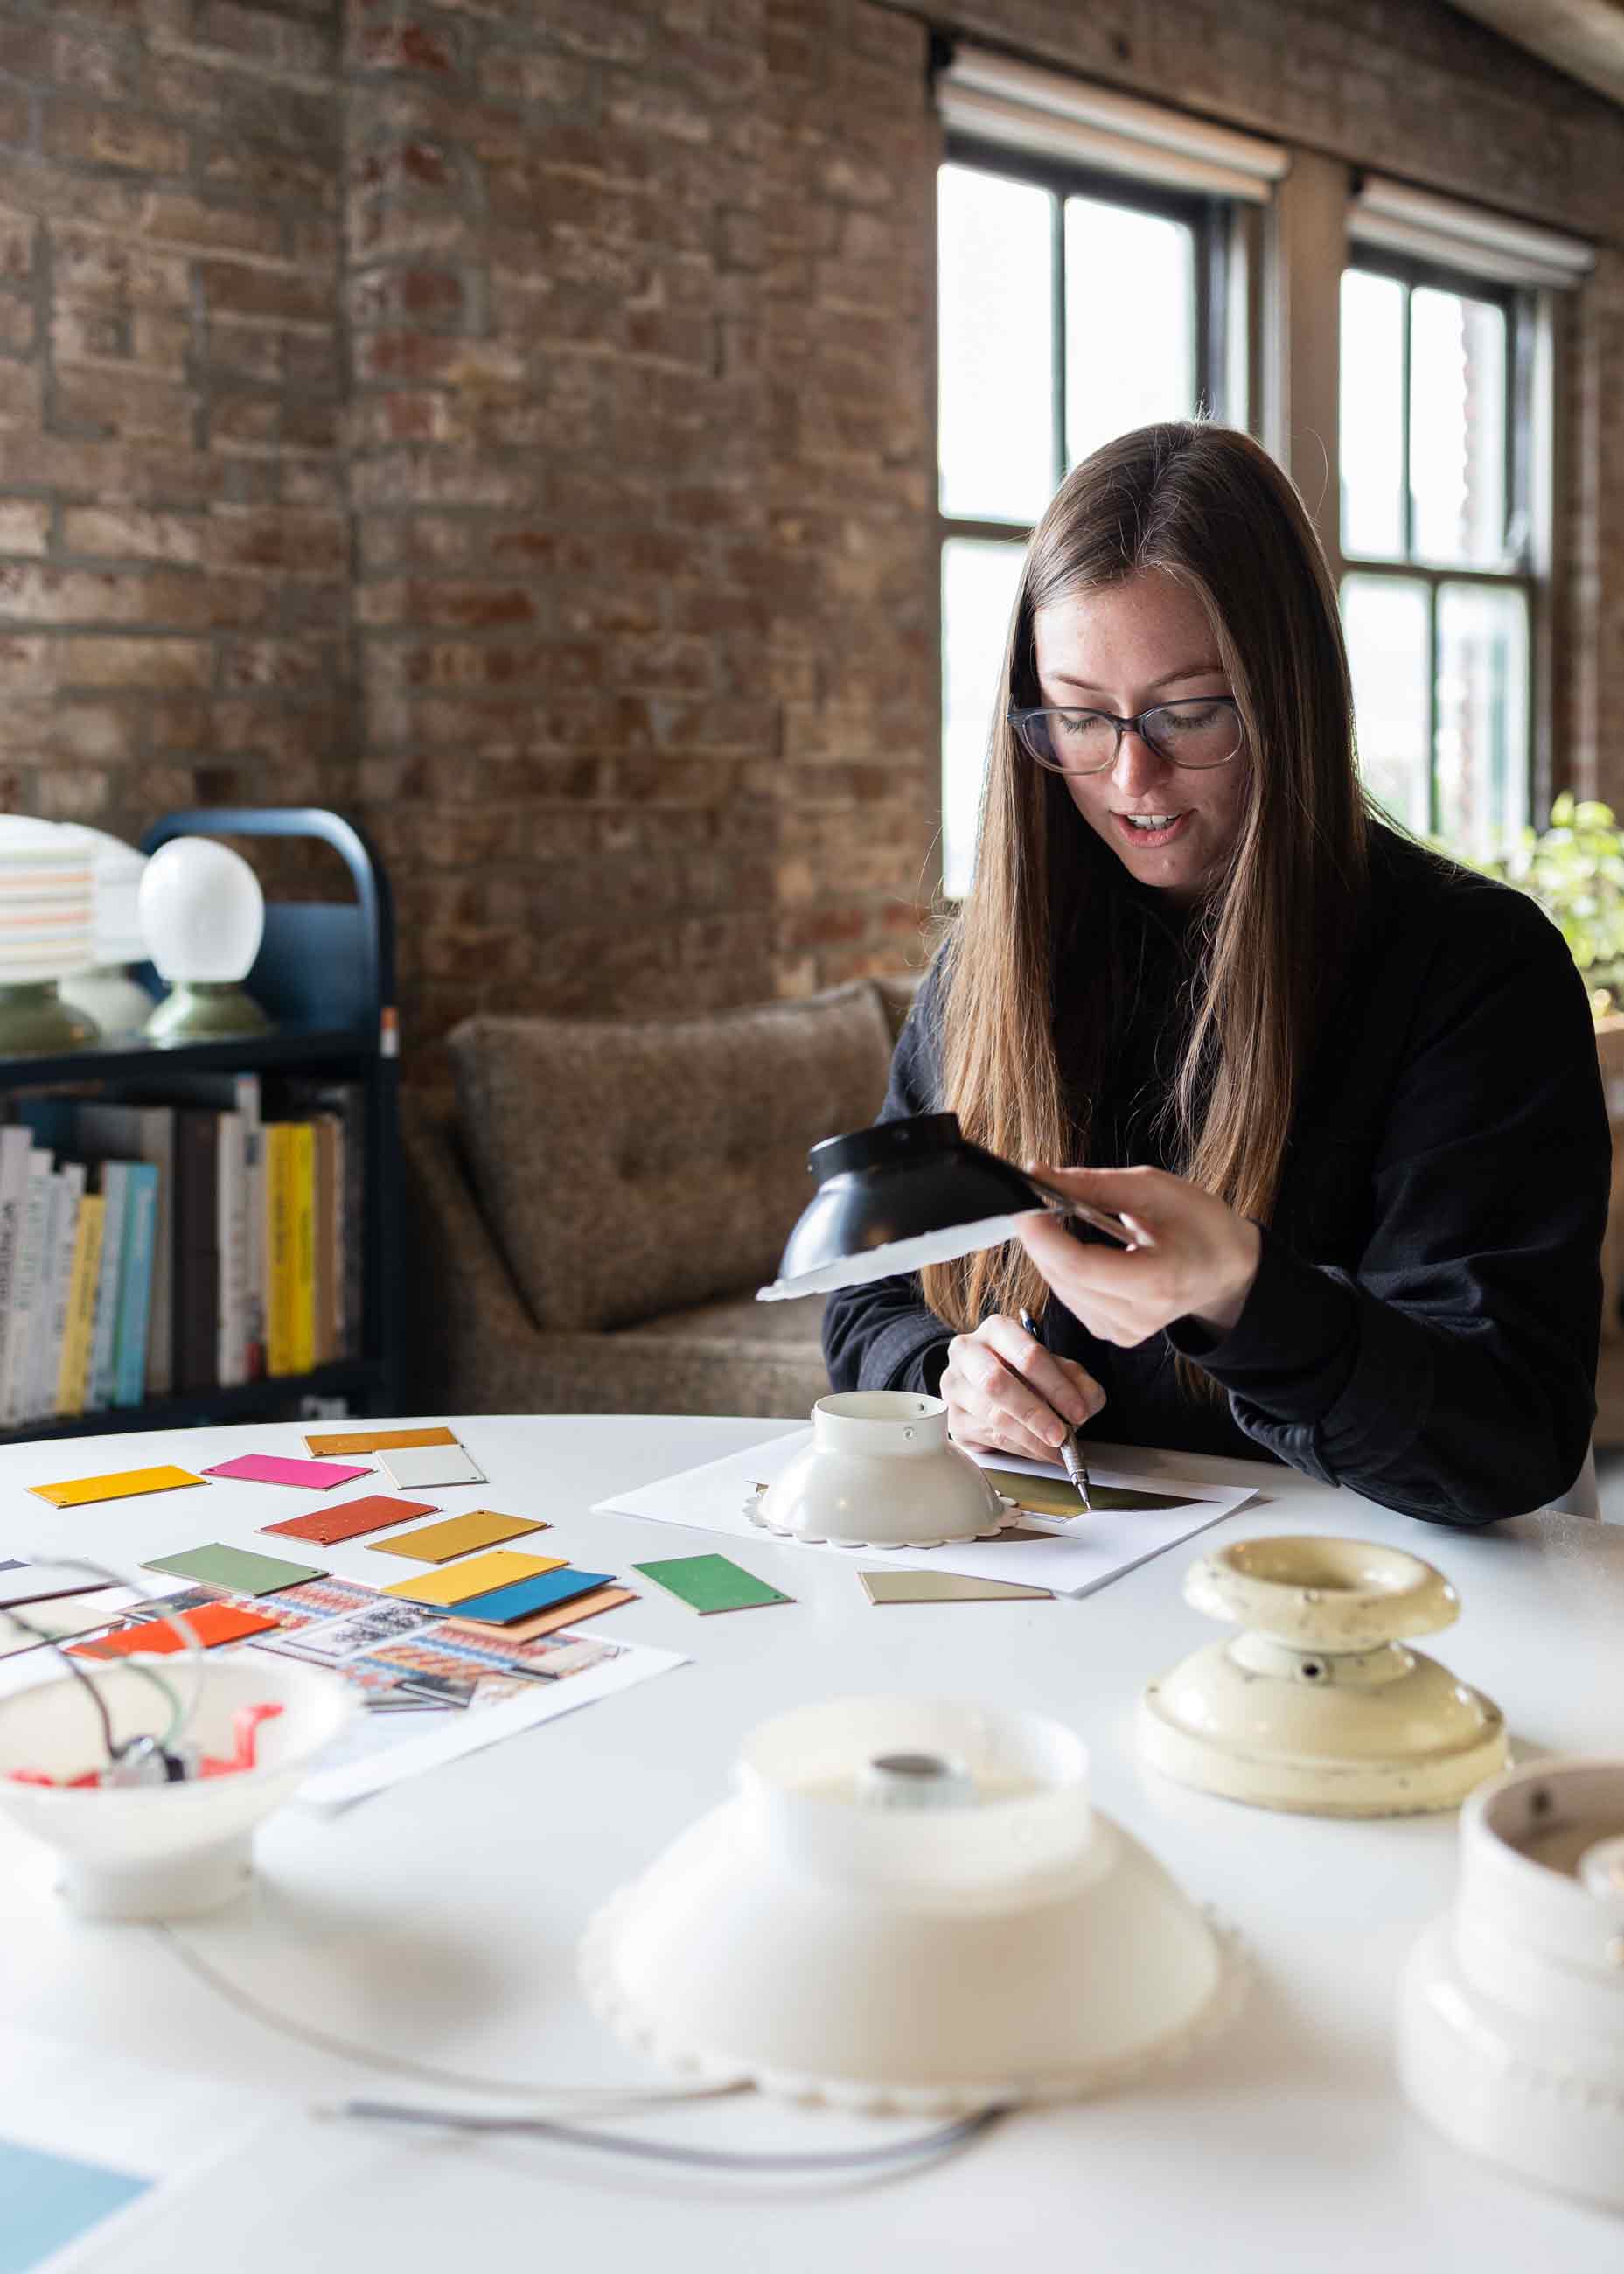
{"x":328,"y":1525}
{"x":212,"y":1624}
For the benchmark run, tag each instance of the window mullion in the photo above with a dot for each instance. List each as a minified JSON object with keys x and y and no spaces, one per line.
{"x":1435,"y":799}
{"x":1408,"y":500}
{"x":1058,"y":301}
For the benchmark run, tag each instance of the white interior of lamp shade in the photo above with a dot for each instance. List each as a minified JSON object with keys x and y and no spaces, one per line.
{"x":899,"y":1256}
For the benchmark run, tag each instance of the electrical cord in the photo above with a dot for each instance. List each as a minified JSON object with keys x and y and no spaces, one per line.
{"x":943,"y":2141}
{"x":179,"y":1714}
{"x":399,"y":2064}
{"x":611,"y":2098}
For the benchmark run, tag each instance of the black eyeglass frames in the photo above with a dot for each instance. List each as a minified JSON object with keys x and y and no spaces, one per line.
{"x":1196,"y":730}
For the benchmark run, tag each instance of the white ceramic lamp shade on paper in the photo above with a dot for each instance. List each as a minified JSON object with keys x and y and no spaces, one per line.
{"x":104,"y":989}
{"x":1511,"y":2014}
{"x":881,"y":1472}
{"x":815,"y":1940}
{"x":47,"y":899}
{"x":1316,"y":1706}
{"x":168,"y":1850}
{"x":202,"y":917}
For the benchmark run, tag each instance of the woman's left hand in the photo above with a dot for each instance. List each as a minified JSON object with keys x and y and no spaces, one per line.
{"x":1195,"y":1257}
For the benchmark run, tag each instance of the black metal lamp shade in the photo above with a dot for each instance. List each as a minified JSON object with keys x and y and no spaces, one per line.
{"x":899,"y":1196}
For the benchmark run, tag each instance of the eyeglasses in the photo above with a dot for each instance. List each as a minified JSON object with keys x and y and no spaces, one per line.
{"x":1197,"y":730}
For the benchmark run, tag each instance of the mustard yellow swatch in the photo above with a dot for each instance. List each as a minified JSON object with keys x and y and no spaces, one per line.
{"x":374,"y":1441}
{"x":458,"y":1535}
{"x":124,"y":1484}
{"x":478,"y":1577}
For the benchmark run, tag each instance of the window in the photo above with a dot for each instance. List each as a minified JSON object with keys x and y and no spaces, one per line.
{"x":1439,"y":593}
{"x":1070,"y":308}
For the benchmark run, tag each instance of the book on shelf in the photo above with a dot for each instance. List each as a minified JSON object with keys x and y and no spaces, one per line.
{"x":197,"y":1237}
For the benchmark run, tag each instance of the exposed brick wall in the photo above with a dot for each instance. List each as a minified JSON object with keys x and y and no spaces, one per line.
{"x":512,"y":424}
{"x":174,"y":540}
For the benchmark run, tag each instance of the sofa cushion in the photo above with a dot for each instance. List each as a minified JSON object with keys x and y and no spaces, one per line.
{"x":630,"y":1167}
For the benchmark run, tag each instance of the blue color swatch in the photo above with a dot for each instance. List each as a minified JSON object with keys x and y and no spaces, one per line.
{"x":50,"y":2199}
{"x":499,"y":1606}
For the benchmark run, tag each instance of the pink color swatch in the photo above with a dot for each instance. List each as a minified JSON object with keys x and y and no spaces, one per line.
{"x":274,"y":1468}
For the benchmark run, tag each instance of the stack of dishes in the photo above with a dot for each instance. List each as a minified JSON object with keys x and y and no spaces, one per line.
{"x":47,"y":916}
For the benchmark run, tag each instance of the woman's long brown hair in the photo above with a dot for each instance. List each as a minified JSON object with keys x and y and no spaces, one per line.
{"x":1207,"y":504}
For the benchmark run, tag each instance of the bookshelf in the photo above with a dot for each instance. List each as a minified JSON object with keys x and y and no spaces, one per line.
{"x":324,"y":975}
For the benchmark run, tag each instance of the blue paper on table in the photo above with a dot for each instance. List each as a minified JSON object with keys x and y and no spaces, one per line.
{"x":48,"y":2199}
{"x":502,"y":1605}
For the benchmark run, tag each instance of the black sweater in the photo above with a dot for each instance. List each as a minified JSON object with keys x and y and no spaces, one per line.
{"x":1424,"y":1321}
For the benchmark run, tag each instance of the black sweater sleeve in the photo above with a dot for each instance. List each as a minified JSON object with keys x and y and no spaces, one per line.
{"x":1451,"y":1376}
{"x":884,"y":1337}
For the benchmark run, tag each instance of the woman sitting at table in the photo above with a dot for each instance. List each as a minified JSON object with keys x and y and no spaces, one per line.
{"x":1345,"y":1093}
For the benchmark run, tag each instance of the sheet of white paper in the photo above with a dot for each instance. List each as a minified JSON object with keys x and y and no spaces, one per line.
{"x":1075,"y":1554}
{"x":385,"y":1748}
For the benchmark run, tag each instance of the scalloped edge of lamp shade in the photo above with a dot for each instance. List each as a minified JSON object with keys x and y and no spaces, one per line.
{"x":899,"y":1256}
{"x":897,"y":2097}
{"x":880,"y":1471}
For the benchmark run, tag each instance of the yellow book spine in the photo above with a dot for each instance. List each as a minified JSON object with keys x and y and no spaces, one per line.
{"x":73,"y":1376}
{"x":278,"y":1250}
{"x":302,"y":1178}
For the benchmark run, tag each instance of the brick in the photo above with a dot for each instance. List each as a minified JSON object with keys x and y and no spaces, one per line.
{"x":16,"y":327}
{"x":212,"y":225}
{"x":19,"y":395}
{"x":129,"y":534}
{"x":88,"y":661}
{"x":85,"y":133}
{"x":261,"y":36}
{"x":16,"y":117}
{"x":233,"y":288}
{"x":407,"y":46}
{"x":25,"y":525}
{"x":88,"y":264}
{"x":72,"y":793}
{"x":124,"y":403}
{"x":406,"y":293}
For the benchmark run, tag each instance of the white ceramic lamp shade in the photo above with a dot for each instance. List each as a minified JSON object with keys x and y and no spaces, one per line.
{"x":104,"y":990}
{"x":1511,"y":2016}
{"x":881,"y":1472}
{"x":1316,"y":1706}
{"x":1010,"y":1945}
{"x":47,"y":897}
{"x":202,"y":917}
{"x":162,"y":1851}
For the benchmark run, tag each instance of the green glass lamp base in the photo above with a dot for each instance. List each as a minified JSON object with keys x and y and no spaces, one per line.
{"x":205,"y":1010}
{"x":33,"y":1018}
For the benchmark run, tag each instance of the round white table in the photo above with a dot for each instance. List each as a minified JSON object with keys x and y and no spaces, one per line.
{"x":439,"y":1920}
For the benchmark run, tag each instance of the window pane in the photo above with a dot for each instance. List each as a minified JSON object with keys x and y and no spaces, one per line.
{"x":979,"y":584}
{"x":1481,"y":717}
{"x":1457,"y":428}
{"x":1373,"y":414}
{"x":1130,"y":321}
{"x":996,"y":385}
{"x":1385,"y":621}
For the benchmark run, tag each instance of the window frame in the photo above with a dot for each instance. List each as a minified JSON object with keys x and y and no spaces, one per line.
{"x":1219,"y":354}
{"x":1524,"y":448}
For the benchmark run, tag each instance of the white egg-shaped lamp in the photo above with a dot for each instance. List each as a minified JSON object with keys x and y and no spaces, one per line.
{"x":880,"y":1471}
{"x":909,"y":1904}
{"x":202,"y":917}
{"x":1318,"y":1706}
{"x":1511,"y":2014}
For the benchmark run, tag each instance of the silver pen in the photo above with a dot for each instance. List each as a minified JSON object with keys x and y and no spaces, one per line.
{"x":1071,"y":1458}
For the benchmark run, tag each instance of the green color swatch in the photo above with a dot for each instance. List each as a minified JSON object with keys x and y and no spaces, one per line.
{"x":220,"y":1566}
{"x":711,"y":1582}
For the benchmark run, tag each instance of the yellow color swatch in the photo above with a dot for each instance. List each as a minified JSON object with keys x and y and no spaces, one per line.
{"x":122,"y":1485}
{"x":475,"y":1579}
{"x":458,"y":1535}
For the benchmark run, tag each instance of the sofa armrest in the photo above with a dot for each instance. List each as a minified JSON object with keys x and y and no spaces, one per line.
{"x":461,"y":1298}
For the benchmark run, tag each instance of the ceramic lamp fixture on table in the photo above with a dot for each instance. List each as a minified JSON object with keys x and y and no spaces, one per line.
{"x":881,"y":1472}
{"x":47,"y":901}
{"x":203,"y":917}
{"x":1511,"y":2016}
{"x":1317,"y":1707}
{"x":910,"y":1903}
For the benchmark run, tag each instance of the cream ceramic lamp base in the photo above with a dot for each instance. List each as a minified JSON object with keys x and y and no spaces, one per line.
{"x":1511,"y":2019}
{"x":881,"y":1472}
{"x":1317,"y":1707}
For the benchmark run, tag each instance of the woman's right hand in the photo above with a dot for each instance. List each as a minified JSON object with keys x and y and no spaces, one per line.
{"x":1006,"y":1392}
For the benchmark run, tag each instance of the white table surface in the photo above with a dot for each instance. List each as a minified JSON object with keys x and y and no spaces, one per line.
{"x":439,"y":1919}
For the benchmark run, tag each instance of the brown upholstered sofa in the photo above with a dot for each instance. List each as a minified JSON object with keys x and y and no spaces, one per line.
{"x":587,"y":1225}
